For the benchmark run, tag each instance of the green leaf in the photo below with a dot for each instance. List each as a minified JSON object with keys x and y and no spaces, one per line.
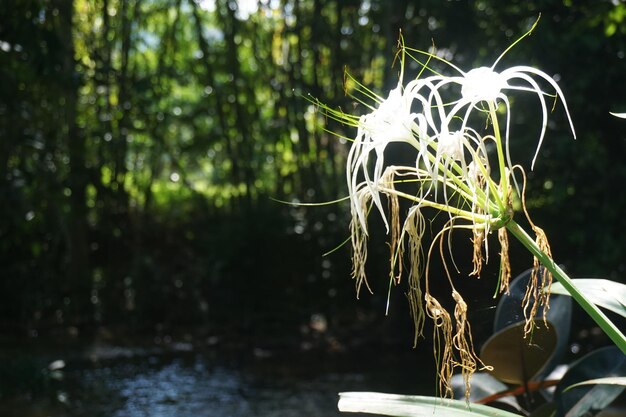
{"x":517,"y":358}
{"x":544,"y":410}
{"x":607,"y":362}
{"x":614,"y":380}
{"x":510,"y":311}
{"x":608,"y":294}
{"x":483,"y":386}
{"x":413,"y":406}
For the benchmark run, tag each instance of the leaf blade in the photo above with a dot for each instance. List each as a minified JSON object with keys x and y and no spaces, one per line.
{"x":614,"y":380}
{"x":413,"y":406}
{"x":602,"y":292}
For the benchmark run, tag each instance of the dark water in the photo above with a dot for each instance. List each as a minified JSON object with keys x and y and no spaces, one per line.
{"x":119,"y":382}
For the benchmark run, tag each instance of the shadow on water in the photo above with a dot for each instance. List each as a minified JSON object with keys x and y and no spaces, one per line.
{"x":127,"y":382}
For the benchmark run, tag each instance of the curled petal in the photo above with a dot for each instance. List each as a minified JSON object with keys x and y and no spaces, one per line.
{"x":521,"y":71}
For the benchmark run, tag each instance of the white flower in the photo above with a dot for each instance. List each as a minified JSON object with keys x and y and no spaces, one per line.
{"x":450,"y":145}
{"x":484,"y":84}
{"x":453,"y":157}
{"x":391,"y":122}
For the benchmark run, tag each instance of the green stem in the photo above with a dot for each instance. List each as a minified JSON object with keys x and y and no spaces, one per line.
{"x":469,"y":215}
{"x":596,"y":314}
{"x":496,"y":131}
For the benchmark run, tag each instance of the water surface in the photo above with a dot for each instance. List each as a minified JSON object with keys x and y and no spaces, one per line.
{"x":111,"y":381}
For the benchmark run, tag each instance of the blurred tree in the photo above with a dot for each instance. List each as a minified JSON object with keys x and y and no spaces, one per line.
{"x":141,"y":141}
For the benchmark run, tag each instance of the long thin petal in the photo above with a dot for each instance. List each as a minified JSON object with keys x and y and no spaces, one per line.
{"x":522,"y":68}
{"x":517,"y":74}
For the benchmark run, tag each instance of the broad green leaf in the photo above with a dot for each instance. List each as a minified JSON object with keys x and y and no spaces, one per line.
{"x":517,"y":359}
{"x":510,"y":311}
{"x":413,"y":406}
{"x":544,"y":410}
{"x":608,"y":294}
{"x":484,"y":385}
{"x":615,"y":380}
{"x":606,"y":362}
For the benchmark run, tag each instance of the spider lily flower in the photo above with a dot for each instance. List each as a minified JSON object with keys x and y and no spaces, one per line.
{"x":450,"y":145}
{"x":444,"y":158}
{"x":391,"y":122}
{"x":482,"y":84}
{"x":451,"y":173}
{"x":485,"y":84}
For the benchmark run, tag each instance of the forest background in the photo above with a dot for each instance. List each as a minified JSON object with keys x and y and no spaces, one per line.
{"x":144,"y":143}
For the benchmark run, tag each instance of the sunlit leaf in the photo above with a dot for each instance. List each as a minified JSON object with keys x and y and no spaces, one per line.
{"x":413,"y":406}
{"x":608,"y":294}
{"x":615,"y":380}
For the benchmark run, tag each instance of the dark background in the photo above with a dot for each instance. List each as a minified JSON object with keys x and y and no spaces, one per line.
{"x":143,"y":144}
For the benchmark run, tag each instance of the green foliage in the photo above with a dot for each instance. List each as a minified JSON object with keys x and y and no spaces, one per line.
{"x":608,"y":294}
{"x":123,"y":116}
{"x":577,"y":394}
{"x":139,"y":140}
{"x":588,"y":385}
{"x":413,"y":406}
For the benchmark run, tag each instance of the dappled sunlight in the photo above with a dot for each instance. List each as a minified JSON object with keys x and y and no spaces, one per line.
{"x":165,"y":169}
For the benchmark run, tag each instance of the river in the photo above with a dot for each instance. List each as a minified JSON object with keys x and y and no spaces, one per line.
{"x":184,"y":381}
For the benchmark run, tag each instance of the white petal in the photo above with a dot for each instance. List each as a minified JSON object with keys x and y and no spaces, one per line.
{"x":482,"y":84}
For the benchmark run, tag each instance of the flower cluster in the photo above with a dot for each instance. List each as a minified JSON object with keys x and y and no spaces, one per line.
{"x":460,"y":169}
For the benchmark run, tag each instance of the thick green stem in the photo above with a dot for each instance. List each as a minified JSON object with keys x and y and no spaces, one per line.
{"x":596,"y":314}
